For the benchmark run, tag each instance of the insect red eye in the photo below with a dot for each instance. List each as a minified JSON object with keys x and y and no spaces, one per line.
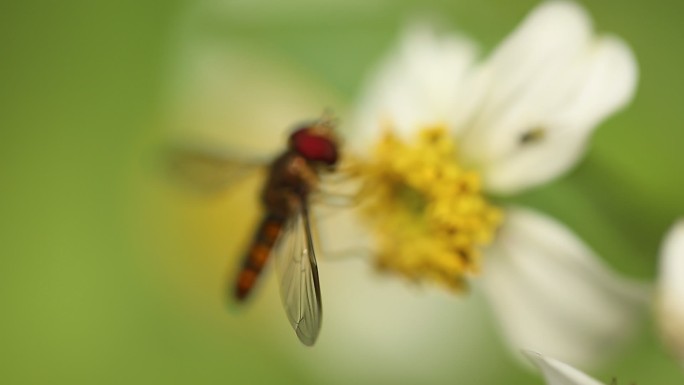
{"x":314,"y":147}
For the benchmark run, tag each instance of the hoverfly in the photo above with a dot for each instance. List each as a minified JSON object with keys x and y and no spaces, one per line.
{"x":285,"y":226}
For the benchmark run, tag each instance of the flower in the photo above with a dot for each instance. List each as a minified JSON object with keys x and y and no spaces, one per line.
{"x":670,"y":289}
{"x":438,"y":135}
{"x":559,"y":373}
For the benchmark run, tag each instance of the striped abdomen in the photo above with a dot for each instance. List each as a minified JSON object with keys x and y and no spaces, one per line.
{"x":259,"y":250}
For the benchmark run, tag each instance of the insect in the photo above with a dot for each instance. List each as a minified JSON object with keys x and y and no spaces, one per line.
{"x":285,"y":228}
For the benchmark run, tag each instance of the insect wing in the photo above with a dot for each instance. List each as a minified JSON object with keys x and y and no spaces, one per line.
{"x":297,"y":270}
{"x":207,"y":170}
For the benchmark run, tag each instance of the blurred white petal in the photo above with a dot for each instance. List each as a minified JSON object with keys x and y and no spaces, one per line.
{"x":383,"y":330}
{"x":559,"y":373}
{"x":521,"y":119}
{"x":425,"y":81}
{"x":552,"y":294}
{"x":552,"y":77}
{"x":342,"y":233}
{"x":671,"y":290}
{"x":552,"y":36}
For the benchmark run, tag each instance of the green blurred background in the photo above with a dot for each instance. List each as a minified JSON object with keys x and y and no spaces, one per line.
{"x":109,"y":278}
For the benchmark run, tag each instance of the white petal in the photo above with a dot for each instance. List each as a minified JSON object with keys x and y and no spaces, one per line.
{"x":382,"y":330}
{"x":342,"y":232}
{"x":425,"y":81}
{"x":559,"y":373}
{"x":671,"y":290}
{"x":550,"y":293}
{"x":550,"y":76}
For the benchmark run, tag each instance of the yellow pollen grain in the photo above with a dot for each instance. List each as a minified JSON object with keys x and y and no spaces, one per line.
{"x":430,"y":215}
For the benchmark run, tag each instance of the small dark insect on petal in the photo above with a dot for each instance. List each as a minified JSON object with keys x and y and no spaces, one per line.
{"x":532,"y":136}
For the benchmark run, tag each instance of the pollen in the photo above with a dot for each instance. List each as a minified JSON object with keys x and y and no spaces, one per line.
{"x":430,"y":215}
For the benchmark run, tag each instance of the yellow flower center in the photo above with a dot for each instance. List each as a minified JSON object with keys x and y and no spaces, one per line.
{"x":430,"y":214}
